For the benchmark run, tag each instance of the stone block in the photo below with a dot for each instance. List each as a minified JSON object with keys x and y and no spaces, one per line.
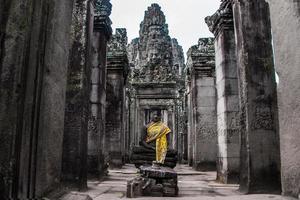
{"x":75,"y":196}
{"x":227,"y":87}
{"x":206,"y":101}
{"x":94,"y":98}
{"x":206,"y":91}
{"x":205,"y":81}
{"x":95,"y":79}
{"x":135,"y":188}
{"x":230,"y":103}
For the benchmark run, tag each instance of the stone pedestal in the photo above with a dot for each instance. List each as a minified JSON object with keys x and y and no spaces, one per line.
{"x":203,"y":126}
{"x":117,"y":69}
{"x":154,"y":181}
{"x":260,"y":157}
{"x":221,"y":24}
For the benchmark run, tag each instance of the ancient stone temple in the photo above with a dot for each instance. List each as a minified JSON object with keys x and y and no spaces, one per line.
{"x":74,"y":100}
{"x":201,"y":105}
{"x":156,"y":80}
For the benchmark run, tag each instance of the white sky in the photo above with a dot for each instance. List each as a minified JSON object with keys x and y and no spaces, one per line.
{"x":185,"y":18}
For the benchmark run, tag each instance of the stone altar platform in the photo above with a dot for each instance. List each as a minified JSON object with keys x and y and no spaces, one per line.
{"x":154,"y":181}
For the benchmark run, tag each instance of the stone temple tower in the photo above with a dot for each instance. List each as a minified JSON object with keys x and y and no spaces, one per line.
{"x":156,"y":81}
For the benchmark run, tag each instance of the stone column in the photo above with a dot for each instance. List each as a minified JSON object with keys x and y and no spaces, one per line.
{"x":260,"y":157}
{"x":285,"y":17}
{"x":97,"y":162}
{"x":34,"y":54}
{"x":75,"y":128}
{"x":117,"y":66}
{"x":189,"y":117}
{"x":204,"y":126}
{"x":221,"y":25}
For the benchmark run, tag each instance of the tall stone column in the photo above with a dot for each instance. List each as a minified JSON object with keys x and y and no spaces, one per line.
{"x":117,"y":67}
{"x":97,"y":161}
{"x":203,"y":104}
{"x":189,"y":117}
{"x":75,"y":127}
{"x":221,"y":25}
{"x":34,"y":54}
{"x":260,"y":156}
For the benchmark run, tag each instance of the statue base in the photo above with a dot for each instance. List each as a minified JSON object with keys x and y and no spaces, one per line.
{"x":154,"y":181}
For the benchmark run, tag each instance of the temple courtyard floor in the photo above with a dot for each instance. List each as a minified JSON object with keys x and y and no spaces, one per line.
{"x":192,"y":185}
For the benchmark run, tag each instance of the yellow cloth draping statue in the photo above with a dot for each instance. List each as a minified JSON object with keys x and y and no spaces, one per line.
{"x":157,"y":131}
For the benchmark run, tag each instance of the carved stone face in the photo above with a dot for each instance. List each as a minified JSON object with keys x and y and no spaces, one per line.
{"x":202,"y":42}
{"x":154,"y":56}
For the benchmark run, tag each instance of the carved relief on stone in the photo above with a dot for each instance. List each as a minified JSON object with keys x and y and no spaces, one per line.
{"x":151,"y":55}
{"x":223,"y":16}
{"x":263,"y":117}
{"x":201,"y":55}
{"x":102,"y":10}
{"x":118,"y":42}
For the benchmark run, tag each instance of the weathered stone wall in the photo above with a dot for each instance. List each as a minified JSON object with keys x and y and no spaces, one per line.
{"x":285,"y":21}
{"x":34,"y":59}
{"x":203,"y":125}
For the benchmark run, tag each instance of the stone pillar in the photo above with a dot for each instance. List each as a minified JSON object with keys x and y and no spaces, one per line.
{"x":260,"y":158}
{"x":34,"y":54}
{"x":117,"y":66}
{"x":285,"y":21}
{"x":75,"y":131}
{"x":97,"y":157}
{"x":221,"y":25}
{"x":203,"y":104}
{"x":190,"y":120}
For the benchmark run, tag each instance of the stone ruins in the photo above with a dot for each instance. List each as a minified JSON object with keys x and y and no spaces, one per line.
{"x":75,"y":97}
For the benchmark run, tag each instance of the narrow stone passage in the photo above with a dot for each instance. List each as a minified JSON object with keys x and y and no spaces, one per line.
{"x":192,"y":185}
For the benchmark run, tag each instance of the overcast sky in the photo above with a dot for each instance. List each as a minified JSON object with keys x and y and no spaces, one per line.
{"x":185,"y":17}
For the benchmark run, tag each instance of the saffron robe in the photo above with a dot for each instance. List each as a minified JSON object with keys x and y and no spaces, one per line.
{"x":158,"y":131}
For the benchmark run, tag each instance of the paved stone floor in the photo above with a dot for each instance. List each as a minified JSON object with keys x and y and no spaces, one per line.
{"x":192,"y":185}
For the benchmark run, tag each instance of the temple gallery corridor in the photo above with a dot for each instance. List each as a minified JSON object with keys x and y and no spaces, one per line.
{"x":193,"y":185}
{"x":92,"y":113}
